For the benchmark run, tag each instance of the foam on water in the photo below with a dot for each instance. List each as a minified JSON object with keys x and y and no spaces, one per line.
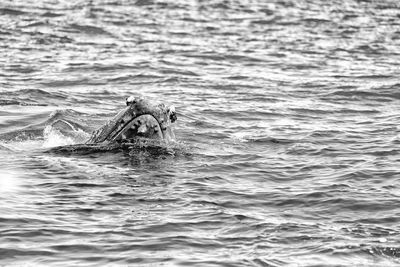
{"x":53,"y":137}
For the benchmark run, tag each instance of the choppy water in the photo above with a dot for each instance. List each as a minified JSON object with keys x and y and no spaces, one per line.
{"x":290,"y":110}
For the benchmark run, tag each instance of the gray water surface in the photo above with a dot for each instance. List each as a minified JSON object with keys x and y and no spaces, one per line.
{"x":288,"y":112}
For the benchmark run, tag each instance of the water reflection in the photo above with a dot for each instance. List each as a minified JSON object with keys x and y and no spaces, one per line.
{"x":9,"y":181}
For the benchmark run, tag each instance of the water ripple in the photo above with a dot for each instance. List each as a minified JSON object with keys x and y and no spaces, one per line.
{"x":288,"y":111}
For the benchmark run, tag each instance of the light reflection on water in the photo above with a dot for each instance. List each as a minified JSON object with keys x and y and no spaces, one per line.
{"x":9,"y":182}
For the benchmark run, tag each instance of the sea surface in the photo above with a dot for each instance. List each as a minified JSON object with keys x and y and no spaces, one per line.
{"x":288,"y":128}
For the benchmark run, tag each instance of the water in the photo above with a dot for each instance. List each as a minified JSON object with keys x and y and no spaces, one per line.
{"x":289,"y":112}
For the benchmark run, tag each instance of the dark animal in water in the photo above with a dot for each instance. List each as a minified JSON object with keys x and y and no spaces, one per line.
{"x":141,"y":118}
{"x":142,"y":123}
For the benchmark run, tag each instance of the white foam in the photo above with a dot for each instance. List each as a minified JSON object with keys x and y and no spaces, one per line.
{"x":24,"y":145}
{"x":241,"y":136}
{"x":53,"y":137}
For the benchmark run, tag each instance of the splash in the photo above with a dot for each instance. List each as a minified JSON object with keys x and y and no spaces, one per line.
{"x":53,"y":137}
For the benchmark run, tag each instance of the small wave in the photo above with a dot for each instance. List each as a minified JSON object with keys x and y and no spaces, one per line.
{"x":5,"y":102}
{"x":264,"y":21}
{"x":39,"y":92}
{"x":2,"y":32}
{"x":12,"y":12}
{"x":49,"y":14}
{"x":314,"y":112}
{"x":135,"y":77}
{"x":28,"y":133}
{"x":144,"y":2}
{"x":374,"y":49}
{"x":34,"y":24}
{"x":5,"y":252}
{"x":205,"y":55}
{"x":34,"y":93}
{"x":88,"y":29}
{"x":237,"y":77}
{"x":65,"y":83}
{"x":316,"y":20}
{"x":179,"y":72}
{"x":381,"y":94}
{"x":374,"y":76}
{"x":21,"y":69}
{"x":31,"y":97}
{"x":250,"y":137}
{"x":20,"y":103}
{"x":270,"y":140}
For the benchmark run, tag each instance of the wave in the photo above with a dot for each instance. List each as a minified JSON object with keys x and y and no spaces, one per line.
{"x":12,"y":12}
{"x":31,"y":97}
{"x":87,"y":29}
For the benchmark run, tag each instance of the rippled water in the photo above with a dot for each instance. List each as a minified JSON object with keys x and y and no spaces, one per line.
{"x":289,"y":111}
